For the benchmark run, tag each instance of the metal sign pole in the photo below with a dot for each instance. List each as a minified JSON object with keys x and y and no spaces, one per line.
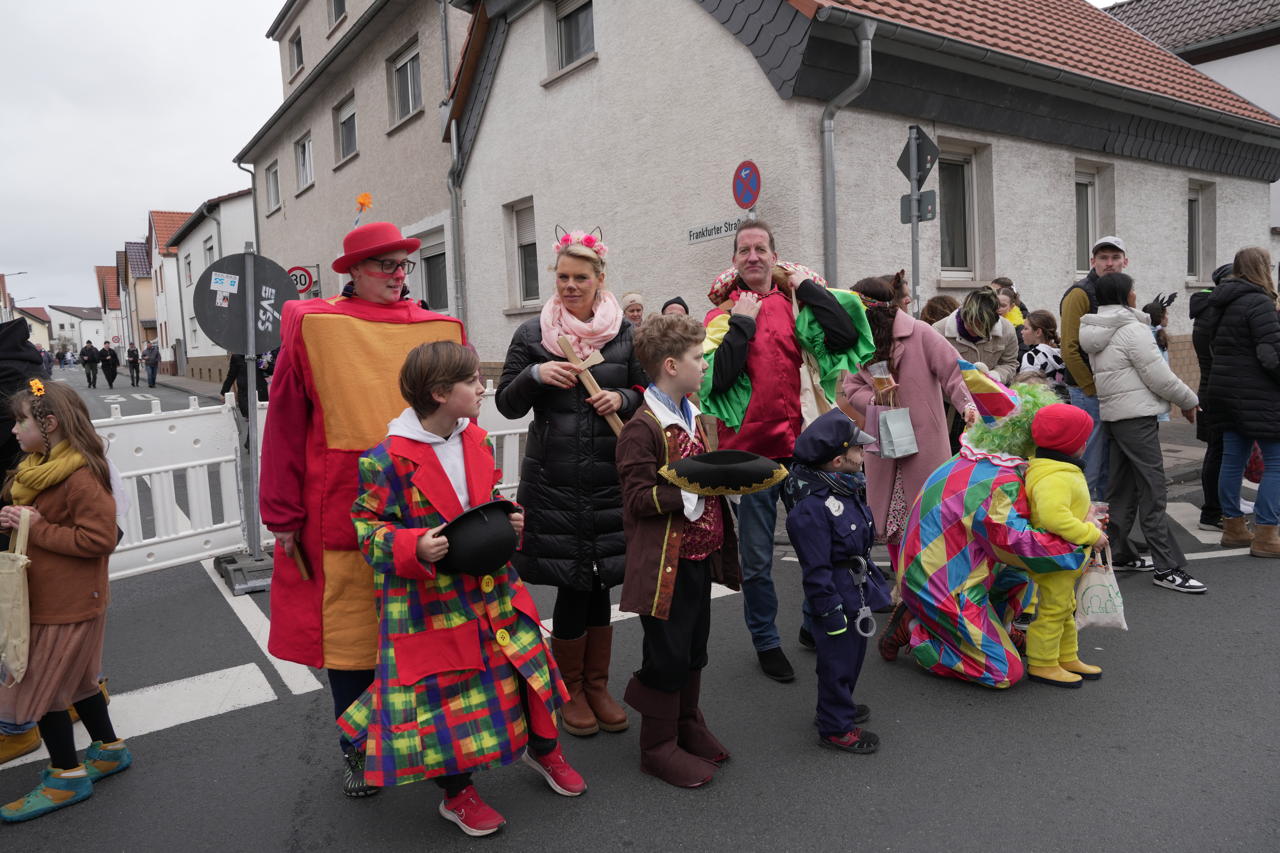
{"x":914,"y":162}
{"x":251,"y":382}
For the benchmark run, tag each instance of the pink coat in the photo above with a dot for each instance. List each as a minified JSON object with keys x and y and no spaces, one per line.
{"x":925,"y":367}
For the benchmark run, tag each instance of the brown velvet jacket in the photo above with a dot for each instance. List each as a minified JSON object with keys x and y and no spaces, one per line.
{"x":69,"y":547}
{"x":653,"y":518}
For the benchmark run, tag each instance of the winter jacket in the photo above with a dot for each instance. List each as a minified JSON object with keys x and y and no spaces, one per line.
{"x":151,"y":355}
{"x":1131,"y":376}
{"x":998,"y":352}
{"x":1237,"y":341}
{"x":88,"y":355}
{"x":569,"y":479}
{"x":20,"y":361}
{"x":1059,"y":498}
{"x":1079,"y":300}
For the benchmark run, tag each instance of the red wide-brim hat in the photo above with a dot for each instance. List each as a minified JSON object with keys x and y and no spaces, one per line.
{"x":370,"y":239}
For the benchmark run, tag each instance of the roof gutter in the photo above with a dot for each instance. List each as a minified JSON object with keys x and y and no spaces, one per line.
{"x":866,"y":29}
{"x":1226,"y":39}
{"x":1261,"y":132}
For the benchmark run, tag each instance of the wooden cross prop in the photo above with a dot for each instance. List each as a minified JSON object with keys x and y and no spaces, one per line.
{"x":588,"y":381}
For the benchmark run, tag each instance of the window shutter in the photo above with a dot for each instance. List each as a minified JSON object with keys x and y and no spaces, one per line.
{"x":524,"y":226}
{"x":564,"y":7}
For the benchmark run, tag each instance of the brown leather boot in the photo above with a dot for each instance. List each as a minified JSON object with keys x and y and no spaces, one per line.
{"x":1266,"y":541}
{"x":1235,"y":533}
{"x":575,"y":715}
{"x":693,"y":735}
{"x":611,"y":716}
{"x":660,"y":753}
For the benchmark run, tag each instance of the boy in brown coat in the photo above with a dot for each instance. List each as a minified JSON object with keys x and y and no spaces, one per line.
{"x":677,"y":544}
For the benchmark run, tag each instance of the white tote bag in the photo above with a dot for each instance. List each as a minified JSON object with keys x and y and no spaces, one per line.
{"x":1098,"y":601}
{"x":15,"y":612}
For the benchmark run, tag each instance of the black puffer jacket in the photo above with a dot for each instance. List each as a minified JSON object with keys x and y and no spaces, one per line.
{"x":569,"y":480}
{"x":20,"y":361}
{"x":1237,"y":338}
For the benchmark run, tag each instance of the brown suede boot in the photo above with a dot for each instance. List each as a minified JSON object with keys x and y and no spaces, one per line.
{"x":575,"y":715}
{"x":611,"y":716}
{"x":694,"y":737}
{"x":1235,"y":533}
{"x":1266,"y":541}
{"x":660,"y":754}
{"x":14,"y":746}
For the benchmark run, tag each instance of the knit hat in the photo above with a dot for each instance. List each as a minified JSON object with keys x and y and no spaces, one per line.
{"x":675,"y":300}
{"x":629,"y":299}
{"x":1061,"y":427}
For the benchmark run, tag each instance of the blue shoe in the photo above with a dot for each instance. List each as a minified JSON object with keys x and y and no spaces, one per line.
{"x":100,"y":763}
{"x":53,"y":793}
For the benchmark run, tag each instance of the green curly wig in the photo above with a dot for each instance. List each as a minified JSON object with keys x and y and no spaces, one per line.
{"x":1012,"y":435}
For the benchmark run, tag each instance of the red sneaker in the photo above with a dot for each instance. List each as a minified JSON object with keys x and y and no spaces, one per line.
{"x":554,"y":767}
{"x":472,"y":815}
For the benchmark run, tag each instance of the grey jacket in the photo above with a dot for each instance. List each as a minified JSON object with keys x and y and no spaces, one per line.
{"x":1132,"y":376}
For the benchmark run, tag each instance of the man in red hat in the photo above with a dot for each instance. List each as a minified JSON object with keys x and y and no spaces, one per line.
{"x":333,"y":393}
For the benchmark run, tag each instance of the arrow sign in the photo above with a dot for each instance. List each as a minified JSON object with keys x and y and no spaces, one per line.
{"x":928,"y":207}
{"x":926,"y":156}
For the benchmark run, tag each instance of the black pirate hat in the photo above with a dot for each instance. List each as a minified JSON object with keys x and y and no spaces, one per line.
{"x":724,"y":472}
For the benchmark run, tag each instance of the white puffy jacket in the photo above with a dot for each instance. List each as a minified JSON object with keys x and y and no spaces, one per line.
{"x":1132,"y":376}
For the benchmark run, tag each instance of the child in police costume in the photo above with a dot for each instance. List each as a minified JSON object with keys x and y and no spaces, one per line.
{"x":463,"y":677}
{"x":678,"y":542}
{"x":832,"y":531}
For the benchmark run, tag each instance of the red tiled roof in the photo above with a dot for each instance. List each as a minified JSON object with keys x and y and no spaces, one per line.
{"x":1068,"y":34}
{"x":39,"y":313}
{"x":108,"y":288}
{"x":164,"y":223}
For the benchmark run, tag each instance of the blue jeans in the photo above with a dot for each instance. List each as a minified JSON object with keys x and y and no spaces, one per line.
{"x":1096,"y":455}
{"x":757,"y":517}
{"x":151,"y":375}
{"x":1235,"y":454}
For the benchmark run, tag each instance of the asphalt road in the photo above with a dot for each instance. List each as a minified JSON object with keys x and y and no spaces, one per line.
{"x":1174,"y":749}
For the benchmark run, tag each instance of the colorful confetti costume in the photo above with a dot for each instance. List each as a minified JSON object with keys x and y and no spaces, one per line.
{"x":964,"y":563}
{"x":462,"y":669}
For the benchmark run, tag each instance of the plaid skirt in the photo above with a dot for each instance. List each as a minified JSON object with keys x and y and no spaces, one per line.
{"x":62,"y":668}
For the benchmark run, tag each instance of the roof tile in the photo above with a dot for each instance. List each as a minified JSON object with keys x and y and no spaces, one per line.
{"x":108,"y":288}
{"x":164,"y":223}
{"x":1063,"y":34}
{"x":1175,"y":24}
{"x":139,"y":260}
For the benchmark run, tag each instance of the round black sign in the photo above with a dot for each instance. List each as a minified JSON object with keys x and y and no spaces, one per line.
{"x":220,"y":296}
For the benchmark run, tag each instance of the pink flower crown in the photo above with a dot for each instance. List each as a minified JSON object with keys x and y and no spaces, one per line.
{"x":589,"y":239}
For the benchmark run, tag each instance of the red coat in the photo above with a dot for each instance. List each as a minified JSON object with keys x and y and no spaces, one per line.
{"x":334,"y":390}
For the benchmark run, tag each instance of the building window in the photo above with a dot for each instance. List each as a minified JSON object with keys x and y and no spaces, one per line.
{"x":955,"y":216}
{"x":1086,"y":218}
{"x":208,"y":252}
{"x":1194,"y":233}
{"x":193,"y":331}
{"x":574,"y":30}
{"x":186,"y":263}
{"x":344,"y":128}
{"x":337,"y":11}
{"x":273,"y":186}
{"x":406,"y":84}
{"x":302,"y":156}
{"x":295,"y":51}
{"x":526,"y":254}
{"x":435,"y":279}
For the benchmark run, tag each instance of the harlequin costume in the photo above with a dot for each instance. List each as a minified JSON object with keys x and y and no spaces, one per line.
{"x":677,"y":544}
{"x":463,"y":678}
{"x":969,"y":544}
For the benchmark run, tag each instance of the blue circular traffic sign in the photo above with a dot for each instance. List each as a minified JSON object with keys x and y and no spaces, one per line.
{"x":746,"y":184}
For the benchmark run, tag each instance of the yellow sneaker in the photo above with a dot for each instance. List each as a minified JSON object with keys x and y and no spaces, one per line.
{"x":1087,"y":671}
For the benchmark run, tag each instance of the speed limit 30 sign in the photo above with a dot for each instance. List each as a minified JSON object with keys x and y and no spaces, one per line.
{"x":302,"y":279}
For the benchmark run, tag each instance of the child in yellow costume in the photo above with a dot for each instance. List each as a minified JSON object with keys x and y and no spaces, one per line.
{"x":1059,"y":498}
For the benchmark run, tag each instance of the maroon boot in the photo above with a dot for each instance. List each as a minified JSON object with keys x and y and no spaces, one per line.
{"x":694,"y":736}
{"x":660,"y":754}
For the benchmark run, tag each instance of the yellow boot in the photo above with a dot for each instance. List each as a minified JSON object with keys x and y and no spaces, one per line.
{"x":1054,"y":675}
{"x":1087,"y":671}
{"x":13,"y":746}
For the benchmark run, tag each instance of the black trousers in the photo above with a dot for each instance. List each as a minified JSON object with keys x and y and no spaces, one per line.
{"x":346,"y":685}
{"x":675,"y":645}
{"x":576,"y":610}
{"x":1211,"y":509}
{"x":1136,"y":488}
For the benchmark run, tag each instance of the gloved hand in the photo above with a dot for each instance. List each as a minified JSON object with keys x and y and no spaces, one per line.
{"x":834,"y":622}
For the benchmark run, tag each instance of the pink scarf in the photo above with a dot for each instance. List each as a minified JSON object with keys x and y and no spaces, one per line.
{"x":586,"y":337}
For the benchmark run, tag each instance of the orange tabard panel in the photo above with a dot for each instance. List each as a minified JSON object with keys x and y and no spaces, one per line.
{"x":355,"y":365}
{"x":350,"y":615}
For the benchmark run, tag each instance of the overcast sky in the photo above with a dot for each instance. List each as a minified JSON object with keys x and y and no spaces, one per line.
{"x":111,"y":109}
{"x":108,"y":110}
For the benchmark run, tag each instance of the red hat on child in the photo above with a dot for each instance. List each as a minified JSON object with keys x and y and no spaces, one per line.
{"x":1061,"y":427}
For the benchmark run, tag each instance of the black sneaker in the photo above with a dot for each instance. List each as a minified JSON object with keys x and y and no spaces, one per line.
{"x":1178,"y":581}
{"x":353,"y":784}
{"x":806,"y":639}
{"x":1210,"y":524}
{"x":775,"y":665}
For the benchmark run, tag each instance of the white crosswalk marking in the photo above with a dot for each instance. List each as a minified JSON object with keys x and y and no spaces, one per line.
{"x":1188,"y":515}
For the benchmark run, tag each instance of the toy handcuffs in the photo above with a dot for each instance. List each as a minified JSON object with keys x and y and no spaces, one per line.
{"x":864,"y":622}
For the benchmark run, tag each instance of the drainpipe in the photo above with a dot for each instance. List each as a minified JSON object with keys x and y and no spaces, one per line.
{"x":455,"y":226}
{"x":866,"y":29}
{"x":253,"y":194}
{"x":444,"y":47}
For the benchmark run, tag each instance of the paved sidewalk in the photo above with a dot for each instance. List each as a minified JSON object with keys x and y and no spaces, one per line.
{"x":191,"y":386}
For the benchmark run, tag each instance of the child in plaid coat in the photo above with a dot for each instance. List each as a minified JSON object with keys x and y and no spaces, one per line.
{"x":463,"y":678}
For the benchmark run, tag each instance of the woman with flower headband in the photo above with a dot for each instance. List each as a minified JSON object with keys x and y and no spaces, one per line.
{"x":63,"y":488}
{"x":569,"y":489}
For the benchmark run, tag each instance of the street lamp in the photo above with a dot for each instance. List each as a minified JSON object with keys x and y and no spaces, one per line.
{"x":7,"y":274}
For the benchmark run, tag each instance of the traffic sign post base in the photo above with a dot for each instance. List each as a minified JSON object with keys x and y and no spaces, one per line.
{"x":243,"y":573}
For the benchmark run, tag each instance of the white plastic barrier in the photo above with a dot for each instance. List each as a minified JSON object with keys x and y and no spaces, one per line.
{"x":156,"y":450}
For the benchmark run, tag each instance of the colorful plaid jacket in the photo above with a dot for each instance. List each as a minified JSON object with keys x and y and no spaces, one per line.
{"x":455,"y":651}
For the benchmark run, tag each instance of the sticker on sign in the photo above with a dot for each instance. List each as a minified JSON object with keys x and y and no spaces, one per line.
{"x":225,"y":282}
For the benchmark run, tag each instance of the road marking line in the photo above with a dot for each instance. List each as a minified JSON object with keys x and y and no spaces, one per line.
{"x":1188,"y":515}
{"x":617,"y":615}
{"x":1226,"y":552}
{"x":163,"y":706}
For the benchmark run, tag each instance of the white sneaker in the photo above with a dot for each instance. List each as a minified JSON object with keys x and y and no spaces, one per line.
{"x":1178,"y":581}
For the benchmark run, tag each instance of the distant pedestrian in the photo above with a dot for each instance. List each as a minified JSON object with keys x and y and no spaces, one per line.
{"x":64,"y":484}
{"x":1203,"y":324}
{"x":633,"y":308}
{"x":675,"y":305}
{"x":1044,"y":353}
{"x":89,"y":358}
{"x":151,"y":358}
{"x":109,"y":359}
{"x":134,"y":360}
{"x":46,"y":362}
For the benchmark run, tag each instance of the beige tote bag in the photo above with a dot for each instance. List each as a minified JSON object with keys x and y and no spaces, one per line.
{"x":15,"y":613}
